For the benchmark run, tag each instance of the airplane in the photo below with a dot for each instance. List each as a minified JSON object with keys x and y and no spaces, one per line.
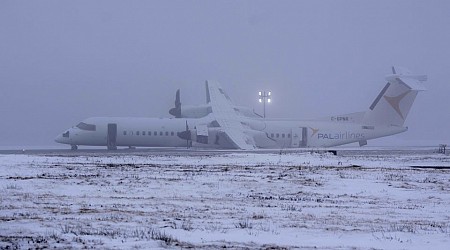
{"x":220,"y":124}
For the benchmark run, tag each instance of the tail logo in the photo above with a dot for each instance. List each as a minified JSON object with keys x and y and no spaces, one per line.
{"x":314,"y":131}
{"x":394,"y":101}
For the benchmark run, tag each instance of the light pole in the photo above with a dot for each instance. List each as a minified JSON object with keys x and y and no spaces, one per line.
{"x":263,"y":97}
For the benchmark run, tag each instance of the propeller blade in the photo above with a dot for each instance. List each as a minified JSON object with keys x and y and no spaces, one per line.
{"x":177,"y":99}
{"x":189,"y":135}
{"x":176,"y":111}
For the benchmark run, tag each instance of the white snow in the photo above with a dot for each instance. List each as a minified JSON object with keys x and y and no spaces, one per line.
{"x":235,"y":200}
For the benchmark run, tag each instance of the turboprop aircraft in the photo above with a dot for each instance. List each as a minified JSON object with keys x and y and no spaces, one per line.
{"x":220,"y":124}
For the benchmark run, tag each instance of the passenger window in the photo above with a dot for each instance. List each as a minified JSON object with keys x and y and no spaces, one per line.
{"x":143,"y":132}
{"x":137,"y":132}
{"x":161,"y":133}
{"x":149,"y":133}
{"x":155,"y":133}
{"x":278,"y":135}
{"x":172,"y":133}
{"x":272,"y":135}
{"x":124,"y":132}
{"x":282,"y":135}
{"x":167,"y":133}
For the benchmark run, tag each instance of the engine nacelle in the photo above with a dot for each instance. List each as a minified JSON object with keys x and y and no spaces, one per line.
{"x":185,"y":111}
{"x":195,"y":111}
{"x":199,"y":111}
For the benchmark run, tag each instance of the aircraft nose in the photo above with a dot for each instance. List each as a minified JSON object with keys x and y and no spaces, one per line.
{"x":58,"y":139}
{"x":63,"y":138}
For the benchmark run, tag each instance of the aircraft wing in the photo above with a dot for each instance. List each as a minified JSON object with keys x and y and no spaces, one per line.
{"x":227,"y":118}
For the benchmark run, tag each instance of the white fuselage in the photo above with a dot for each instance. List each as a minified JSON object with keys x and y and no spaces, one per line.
{"x":140,"y":132}
{"x":163,"y":132}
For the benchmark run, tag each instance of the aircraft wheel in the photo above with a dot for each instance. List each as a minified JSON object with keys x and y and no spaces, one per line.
{"x":74,"y":147}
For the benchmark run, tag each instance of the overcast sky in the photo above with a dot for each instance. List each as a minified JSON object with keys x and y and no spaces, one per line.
{"x":64,"y":61}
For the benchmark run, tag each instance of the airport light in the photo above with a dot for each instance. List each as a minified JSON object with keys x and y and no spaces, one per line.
{"x":265,"y":97}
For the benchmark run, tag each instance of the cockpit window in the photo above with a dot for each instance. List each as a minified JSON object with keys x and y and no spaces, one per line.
{"x":66,"y":134}
{"x":85,"y":126}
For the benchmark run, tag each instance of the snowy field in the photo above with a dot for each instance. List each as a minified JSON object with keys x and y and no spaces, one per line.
{"x":236,"y":200}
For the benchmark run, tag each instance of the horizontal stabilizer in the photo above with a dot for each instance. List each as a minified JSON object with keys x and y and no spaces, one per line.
{"x":404,"y":76}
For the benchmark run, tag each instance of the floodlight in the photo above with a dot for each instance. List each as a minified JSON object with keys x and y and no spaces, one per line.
{"x":264,"y":96}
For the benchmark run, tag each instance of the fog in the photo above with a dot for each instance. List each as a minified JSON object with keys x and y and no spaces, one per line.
{"x":64,"y":61}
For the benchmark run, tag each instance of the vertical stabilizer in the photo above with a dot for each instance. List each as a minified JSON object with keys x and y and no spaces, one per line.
{"x":392,"y":105}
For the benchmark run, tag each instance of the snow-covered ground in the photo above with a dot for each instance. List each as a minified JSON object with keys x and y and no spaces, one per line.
{"x":240,"y":200}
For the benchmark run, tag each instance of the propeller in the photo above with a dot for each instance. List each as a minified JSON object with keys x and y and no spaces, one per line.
{"x":186,"y":135}
{"x":177,"y":110}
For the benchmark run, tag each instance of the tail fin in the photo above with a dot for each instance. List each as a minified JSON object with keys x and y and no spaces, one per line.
{"x":392,"y":105}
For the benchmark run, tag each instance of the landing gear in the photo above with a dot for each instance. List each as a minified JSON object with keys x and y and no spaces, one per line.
{"x":74,"y":147}
{"x":112,"y":147}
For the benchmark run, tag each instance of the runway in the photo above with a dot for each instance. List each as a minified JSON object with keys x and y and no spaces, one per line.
{"x":342,"y":151}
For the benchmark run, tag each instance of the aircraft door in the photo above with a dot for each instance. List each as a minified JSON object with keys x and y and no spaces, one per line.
{"x":296,"y":137}
{"x":304,"y":142}
{"x":111,"y":139}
